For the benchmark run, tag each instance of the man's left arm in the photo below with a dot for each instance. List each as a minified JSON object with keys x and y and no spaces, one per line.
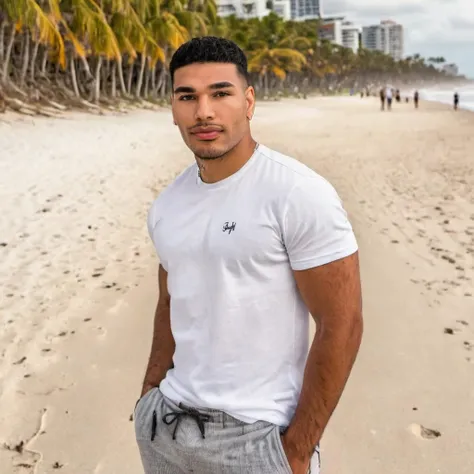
{"x":332,"y":293}
{"x":323,"y":254}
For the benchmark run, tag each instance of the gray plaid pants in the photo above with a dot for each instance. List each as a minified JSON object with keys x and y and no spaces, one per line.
{"x":176,"y":439}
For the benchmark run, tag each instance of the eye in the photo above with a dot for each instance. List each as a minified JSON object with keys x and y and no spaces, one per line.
{"x":221,"y":94}
{"x":186,"y":97}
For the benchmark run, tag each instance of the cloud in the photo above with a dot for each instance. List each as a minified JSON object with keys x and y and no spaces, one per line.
{"x":462,"y":23}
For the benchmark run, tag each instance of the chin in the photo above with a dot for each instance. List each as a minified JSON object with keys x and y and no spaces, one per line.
{"x":209,"y":152}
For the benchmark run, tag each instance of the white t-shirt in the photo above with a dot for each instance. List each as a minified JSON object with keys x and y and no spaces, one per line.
{"x":240,"y":325}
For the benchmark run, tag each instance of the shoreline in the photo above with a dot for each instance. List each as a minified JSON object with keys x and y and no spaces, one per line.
{"x":408,"y":185}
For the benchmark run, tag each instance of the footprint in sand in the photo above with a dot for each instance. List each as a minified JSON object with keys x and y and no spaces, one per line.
{"x":424,"y":433}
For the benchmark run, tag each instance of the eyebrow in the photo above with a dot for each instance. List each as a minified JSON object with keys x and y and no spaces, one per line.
{"x":215,"y":86}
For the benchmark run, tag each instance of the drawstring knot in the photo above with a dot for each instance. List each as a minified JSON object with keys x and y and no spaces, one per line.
{"x":176,"y":416}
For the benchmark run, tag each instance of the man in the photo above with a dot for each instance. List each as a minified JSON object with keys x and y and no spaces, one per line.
{"x":389,"y":96}
{"x":416,"y":99}
{"x":250,"y":242}
{"x":382,"y":98}
{"x":456,"y":101}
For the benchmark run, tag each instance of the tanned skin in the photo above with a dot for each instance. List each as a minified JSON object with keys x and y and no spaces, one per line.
{"x":332,"y":293}
{"x":163,"y":345}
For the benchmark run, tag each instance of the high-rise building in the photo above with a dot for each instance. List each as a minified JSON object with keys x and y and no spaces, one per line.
{"x":242,"y":8}
{"x":386,"y":37}
{"x":306,"y":9}
{"x":254,"y":8}
{"x":341,"y":32}
{"x":351,"y":35}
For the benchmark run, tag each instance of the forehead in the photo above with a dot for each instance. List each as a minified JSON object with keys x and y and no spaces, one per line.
{"x":202,"y":75}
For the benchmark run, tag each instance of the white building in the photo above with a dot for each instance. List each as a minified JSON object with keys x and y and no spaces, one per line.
{"x":451,"y":69}
{"x":350,"y":36}
{"x":254,"y":8}
{"x":243,"y":8}
{"x":386,"y":37}
{"x":302,"y":10}
{"x":282,"y":8}
{"x":341,"y":32}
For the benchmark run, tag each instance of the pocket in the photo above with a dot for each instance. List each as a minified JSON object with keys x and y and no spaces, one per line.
{"x":281,"y":450}
{"x":139,"y":401}
{"x":143,"y":415}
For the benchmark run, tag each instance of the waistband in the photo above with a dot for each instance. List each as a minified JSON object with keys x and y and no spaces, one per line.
{"x":211,"y":415}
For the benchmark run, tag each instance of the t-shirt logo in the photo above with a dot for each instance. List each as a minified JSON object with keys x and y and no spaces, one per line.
{"x":228,"y":227}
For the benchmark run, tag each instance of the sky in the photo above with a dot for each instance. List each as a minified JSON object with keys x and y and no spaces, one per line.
{"x":431,"y":27}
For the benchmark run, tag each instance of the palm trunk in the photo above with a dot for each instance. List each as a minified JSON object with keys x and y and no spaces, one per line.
{"x":161,"y":80}
{"x":121,"y":79}
{"x":8,"y":54}
{"x":105,"y":76}
{"x":147,"y":82}
{"x":75,"y":87}
{"x":26,"y":58}
{"x":130,"y":78}
{"x":265,"y":81}
{"x":114,"y":81}
{"x":140,"y":77}
{"x":153,"y":81}
{"x":86,"y":68}
{"x":3,"y":25}
{"x":33,"y":61}
{"x":97,"y":80}
{"x":44,"y":62}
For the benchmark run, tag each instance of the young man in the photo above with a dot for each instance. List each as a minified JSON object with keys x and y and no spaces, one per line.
{"x":389,"y":96}
{"x":250,"y":242}
{"x":382,"y":98}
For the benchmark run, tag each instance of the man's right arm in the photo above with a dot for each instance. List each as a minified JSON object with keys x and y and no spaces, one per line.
{"x":163,"y":345}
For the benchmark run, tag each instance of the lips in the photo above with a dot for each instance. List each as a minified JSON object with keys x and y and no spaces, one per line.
{"x":206,"y":133}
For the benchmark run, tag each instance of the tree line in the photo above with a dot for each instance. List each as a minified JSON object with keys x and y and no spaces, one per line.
{"x":97,"y":52}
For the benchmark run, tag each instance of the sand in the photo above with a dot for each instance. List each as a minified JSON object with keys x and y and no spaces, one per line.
{"x":78,"y":277}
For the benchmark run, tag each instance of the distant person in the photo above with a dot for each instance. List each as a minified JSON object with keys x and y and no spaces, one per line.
{"x":456,"y":101}
{"x":382,"y":98}
{"x":398,"y":98}
{"x":389,"y":95}
{"x":416,"y":99}
{"x":250,"y":243}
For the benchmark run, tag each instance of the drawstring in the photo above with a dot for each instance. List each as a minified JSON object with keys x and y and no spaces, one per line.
{"x":175,"y":416}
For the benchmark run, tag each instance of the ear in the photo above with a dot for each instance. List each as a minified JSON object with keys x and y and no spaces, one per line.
{"x":172,"y":111}
{"x":250,"y":99}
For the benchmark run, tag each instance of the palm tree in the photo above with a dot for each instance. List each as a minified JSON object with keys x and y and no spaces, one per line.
{"x":275,"y":64}
{"x":83,"y":51}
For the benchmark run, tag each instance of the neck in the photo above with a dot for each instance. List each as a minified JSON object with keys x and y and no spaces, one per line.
{"x":215,"y":170}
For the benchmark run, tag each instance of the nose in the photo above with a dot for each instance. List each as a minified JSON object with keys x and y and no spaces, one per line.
{"x":204,"y":109}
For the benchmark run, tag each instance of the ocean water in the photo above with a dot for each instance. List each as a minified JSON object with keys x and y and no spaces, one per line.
{"x":445,"y":95}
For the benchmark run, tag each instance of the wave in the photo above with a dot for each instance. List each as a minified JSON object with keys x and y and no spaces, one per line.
{"x":445,"y":95}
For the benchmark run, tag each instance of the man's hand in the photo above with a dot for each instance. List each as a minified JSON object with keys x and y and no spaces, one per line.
{"x":146,"y":389}
{"x":298,"y":465}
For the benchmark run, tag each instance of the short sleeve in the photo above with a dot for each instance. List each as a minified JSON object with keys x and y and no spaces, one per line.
{"x":152,"y":221}
{"x":316,"y":229}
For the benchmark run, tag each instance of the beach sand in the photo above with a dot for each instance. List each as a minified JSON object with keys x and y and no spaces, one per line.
{"x":78,"y":275}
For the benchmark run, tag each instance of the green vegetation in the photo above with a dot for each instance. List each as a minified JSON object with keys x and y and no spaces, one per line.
{"x":85,"y":52}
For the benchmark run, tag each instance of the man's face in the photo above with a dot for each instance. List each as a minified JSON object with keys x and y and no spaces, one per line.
{"x":211,"y":105}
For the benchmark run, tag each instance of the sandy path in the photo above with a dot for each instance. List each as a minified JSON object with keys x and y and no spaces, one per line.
{"x":407,"y":181}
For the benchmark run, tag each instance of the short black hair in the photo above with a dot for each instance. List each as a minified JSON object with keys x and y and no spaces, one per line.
{"x":209,"y":49}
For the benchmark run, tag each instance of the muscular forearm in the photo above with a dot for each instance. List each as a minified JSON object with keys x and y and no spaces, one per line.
{"x":328,"y":366}
{"x":162,"y":349}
